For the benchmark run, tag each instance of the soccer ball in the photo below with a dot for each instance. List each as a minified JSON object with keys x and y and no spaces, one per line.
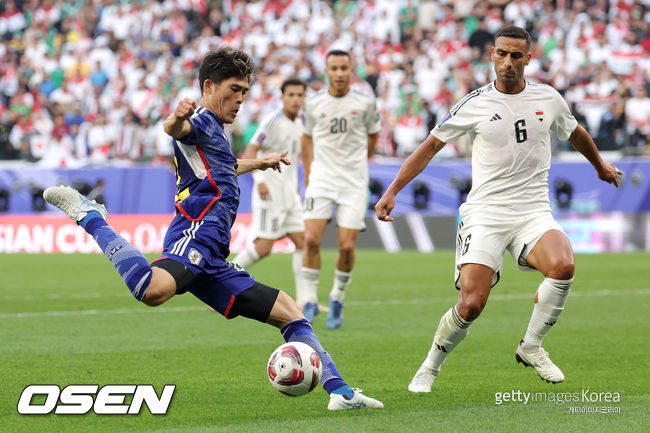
{"x":294,"y":369}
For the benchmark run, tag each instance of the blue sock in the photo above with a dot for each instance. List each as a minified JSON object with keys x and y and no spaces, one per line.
{"x":132,"y":266}
{"x":90,"y":216}
{"x":345,"y":391}
{"x":300,"y":330}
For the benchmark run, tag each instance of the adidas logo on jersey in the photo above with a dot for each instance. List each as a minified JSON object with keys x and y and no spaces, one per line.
{"x":495,"y":117}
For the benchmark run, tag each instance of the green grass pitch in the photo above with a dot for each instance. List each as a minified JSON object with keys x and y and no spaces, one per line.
{"x":68,"y":319}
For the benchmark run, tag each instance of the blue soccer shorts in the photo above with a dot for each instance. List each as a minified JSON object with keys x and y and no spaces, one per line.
{"x":216,"y":281}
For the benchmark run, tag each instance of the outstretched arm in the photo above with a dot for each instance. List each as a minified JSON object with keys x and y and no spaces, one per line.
{"x":583,"y":143}
{"x":411,"y":168}
{"x":177,"y":124}
{"x":272,"y":160}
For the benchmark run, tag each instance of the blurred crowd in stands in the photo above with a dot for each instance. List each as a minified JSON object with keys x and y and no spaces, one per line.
{"x":90,"y":82}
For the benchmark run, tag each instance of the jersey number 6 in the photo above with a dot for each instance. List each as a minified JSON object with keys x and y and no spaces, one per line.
{"x":520,"y":130}
{"x":466,"y":244}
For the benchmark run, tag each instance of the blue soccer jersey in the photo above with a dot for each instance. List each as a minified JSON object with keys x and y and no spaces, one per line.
{"x":206,"y":177}
{"x":206,"y":199}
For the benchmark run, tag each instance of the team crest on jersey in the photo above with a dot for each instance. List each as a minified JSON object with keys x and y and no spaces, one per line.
{"x":540,"y":115}
{"x":194,"y":256}
{"x":261,"y":137}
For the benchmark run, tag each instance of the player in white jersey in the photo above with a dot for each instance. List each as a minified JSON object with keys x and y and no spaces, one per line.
{"x":341,"y":129}
{"x":508,"y":207}
{"x":276,"y":203}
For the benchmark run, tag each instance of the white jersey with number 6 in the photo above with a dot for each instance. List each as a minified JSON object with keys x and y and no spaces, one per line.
{"x":339,"y":127}
{"x":511,"y":148}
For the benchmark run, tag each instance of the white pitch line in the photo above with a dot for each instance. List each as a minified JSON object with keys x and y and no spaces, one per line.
{"x":511,"y":297}
{"x":102,"y":312}
{"x":81,"y":295}
{"x":496,"y":297}
{"x":581,"y":294}
{"x":378,"y":303}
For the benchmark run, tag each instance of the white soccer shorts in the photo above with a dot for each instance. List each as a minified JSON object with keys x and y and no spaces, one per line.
{"x":275,"y":222}
{"x":351,"y":206}
{"x":484,"y":241}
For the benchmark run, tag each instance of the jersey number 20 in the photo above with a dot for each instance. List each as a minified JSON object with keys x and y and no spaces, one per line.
{"x":338,"y":125}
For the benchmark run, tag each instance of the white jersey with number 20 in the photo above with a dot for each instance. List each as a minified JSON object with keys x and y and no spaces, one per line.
{"x":339,"y":127}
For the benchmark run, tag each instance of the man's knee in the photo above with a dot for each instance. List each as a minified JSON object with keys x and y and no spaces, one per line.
{"x":475,"y":285}
{"x":472,"y":300}
{"x":298,"y":240}
{"x":312,"y":241}
{"x":562,"y":269}
{"x":153,"y":300}
{"x":346,"y":248}
{"x":263,"y":247}
{"x":156,"y":293}
{"x":470,"y":307}
{"x":167,"y":276}
{"x":347,"y":242}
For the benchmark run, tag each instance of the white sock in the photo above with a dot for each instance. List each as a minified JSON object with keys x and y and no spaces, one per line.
{"x":247,"y":258}
{"x":451,"y":331}
{"x":296,"y":266}
{"x":551,"y":297}
{"x":341,"y":282}
{"x":309,"y":286}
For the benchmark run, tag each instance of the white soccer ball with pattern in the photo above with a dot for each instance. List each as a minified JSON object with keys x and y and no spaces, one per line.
{"x":294,"y":369}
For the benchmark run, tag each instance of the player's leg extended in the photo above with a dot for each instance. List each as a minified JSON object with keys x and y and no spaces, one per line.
{"x":132,"y":266}
{"x":283,"y":313}
{"x":261,"y":248}
{"x":475,"y":284}
{"x":553,"y":257}
{"x":231,"y":294}
{"x":347,"y":241}
{"x":311,"y":263}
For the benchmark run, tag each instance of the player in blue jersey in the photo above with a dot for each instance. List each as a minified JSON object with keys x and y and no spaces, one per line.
{"x":197,"y":242}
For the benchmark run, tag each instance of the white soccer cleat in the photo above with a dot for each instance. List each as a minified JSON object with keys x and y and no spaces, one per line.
{"x":70,"y":201}
{"x":423,"y":379}
{"x":359,"y":401}
{"x":538,"y":357}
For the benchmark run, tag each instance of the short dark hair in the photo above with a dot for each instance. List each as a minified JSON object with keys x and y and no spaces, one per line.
{"x":336,"y":53}
{"x":293,"y":82}
{"x":514,"y":32}
{"x":225,"y":63}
